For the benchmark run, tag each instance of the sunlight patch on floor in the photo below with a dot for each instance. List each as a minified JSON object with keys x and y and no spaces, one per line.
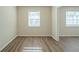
{"x":32,"y":49}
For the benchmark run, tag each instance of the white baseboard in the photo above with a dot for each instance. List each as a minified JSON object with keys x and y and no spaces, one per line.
{"x":68,"y":35}
{"x":34,"y":35}
{"x":8,"y":43}
{"x":54,"y":38}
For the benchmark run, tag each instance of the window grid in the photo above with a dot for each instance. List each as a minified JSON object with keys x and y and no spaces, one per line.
{"x":34,"y":19}
{"x":72,"y":18}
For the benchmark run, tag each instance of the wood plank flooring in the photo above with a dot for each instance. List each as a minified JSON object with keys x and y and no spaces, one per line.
{"x":70,"y":44}
{"x":33,"y":44}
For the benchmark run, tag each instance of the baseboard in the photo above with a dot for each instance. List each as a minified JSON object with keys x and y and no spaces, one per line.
{"x":54,"y":38}
{"x":8,"y":43}
{"x":34,"y":35}
{"x":68,"y":35}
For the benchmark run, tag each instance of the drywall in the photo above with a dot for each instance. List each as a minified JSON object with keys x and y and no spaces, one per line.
{"x":45,"y":21}
{"x":55,"y":33}
{"x":63,"y":30}
{"x":7,"y":25}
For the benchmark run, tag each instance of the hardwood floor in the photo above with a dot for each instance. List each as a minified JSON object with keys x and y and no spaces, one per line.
{"x":70,"y":44}
{"x":33,"y":44}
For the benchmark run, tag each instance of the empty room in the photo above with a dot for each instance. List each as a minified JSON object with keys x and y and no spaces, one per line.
{"x":39,"y":29}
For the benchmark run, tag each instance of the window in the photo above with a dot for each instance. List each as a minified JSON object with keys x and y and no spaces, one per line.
{"x":72,"y":18}
{"x":34,"y":19}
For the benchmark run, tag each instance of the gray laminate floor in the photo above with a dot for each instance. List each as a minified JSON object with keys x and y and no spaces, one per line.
{"x":70,"y":44}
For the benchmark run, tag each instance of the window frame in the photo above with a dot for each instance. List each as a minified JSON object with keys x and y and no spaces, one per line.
{"x":30,"y":20}
{"x":71,"y":25}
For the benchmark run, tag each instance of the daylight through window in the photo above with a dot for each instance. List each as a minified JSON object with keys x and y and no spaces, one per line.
{"x":34,"y":19}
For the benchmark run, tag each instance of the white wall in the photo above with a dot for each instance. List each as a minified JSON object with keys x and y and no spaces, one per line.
{"x":67,"y":31}
{"x":55,"y":33}
{"x":7,"y":25}
{"x":45,"y":20}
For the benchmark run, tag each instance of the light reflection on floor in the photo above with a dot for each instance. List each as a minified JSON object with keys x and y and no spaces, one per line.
{"x":32,"y":49}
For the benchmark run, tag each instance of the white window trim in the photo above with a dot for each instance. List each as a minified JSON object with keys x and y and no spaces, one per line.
{"x":29,"y":24}
{"x":70,"y":25}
